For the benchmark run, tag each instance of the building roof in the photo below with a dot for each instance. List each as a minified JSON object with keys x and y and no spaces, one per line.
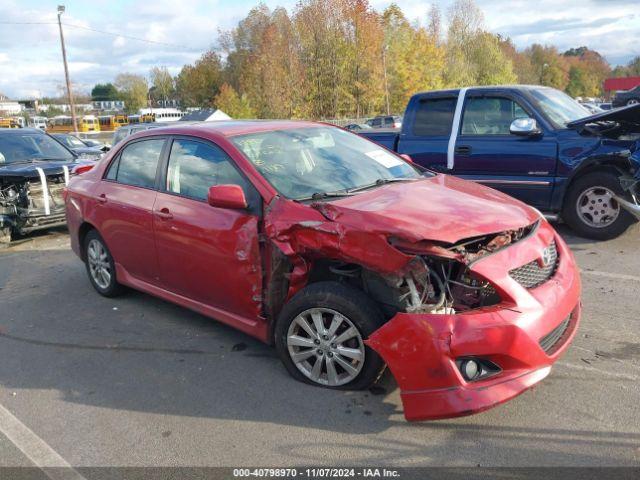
{"x":621,"y":83}
{"x":205,"y":115}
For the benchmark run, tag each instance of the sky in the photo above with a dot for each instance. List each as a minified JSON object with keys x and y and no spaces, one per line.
{"x":31,"y":60}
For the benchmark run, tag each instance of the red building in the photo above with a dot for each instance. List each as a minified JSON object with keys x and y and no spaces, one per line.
{"x":612,"y":85}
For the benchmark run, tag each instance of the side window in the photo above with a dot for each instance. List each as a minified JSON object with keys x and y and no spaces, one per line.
{"x":137,"y":164}
{"x":434,"y":117}
{"x":490,"y":115}
{"x":196,"y":166}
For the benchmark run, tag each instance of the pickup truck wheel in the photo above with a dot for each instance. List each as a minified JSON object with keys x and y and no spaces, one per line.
{"x":320,"y":337}
{"x":590,"y":209}
{"x":100,"y":266}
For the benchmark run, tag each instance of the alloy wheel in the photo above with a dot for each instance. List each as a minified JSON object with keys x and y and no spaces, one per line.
{"x":597,"y":207}
{"x":325,"y":346}
{"x":99,"y":264}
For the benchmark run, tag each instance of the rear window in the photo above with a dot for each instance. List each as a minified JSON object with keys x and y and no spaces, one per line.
{"x":434,"y":117}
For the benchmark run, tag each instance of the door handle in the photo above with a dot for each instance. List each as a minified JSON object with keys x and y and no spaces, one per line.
{"x":463,"y":150}
{"x":102,"y":198}
{"x":164,"y":214}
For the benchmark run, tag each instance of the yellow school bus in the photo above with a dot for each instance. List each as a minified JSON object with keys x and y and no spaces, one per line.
{"x":9,"y":123}
{"x":148,"y":118}
{"x":120,"y":121}
{"x":64,"y":124}
{"x":109,"y":123}
{"x":133,"y":118}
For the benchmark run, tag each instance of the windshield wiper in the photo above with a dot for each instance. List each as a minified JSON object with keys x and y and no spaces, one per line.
{"x":379,"y":182}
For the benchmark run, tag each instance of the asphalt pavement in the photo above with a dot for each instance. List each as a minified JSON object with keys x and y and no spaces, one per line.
{"x":136,"y":381}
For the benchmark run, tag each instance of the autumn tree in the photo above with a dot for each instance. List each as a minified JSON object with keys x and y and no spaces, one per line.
{"x":133,"y":90}
{"x":163,"y":83}
{"x":197,"y":84}
{"x":232,"y":104}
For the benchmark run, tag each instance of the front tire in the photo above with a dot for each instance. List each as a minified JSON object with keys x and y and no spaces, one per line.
{"x":590,"y":209}
{"x":320,"y":335}
{"x":100,"y":266}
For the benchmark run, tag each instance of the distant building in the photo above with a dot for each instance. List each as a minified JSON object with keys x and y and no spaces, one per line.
{"x":80,"y":107}
{"x":613,"y":85}
{"x":205,"y":115}
{"x":108,"y":105}
{"x":9,"y":107}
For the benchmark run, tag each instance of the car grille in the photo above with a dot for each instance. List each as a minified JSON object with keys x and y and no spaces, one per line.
{"x":552,"y":340}
{"x":532,"y":274}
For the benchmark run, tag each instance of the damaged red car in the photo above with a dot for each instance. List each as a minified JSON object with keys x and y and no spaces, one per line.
{"x":344,"y":255}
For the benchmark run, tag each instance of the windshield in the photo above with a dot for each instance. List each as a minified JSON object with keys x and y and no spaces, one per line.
{"x":71,"y":141}
{"x":27,"y":147}
{"x":558,"y":107}
{"x":304,"y":162}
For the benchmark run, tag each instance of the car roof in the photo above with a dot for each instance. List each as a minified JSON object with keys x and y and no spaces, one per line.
{"x":487,"y":87}
{"x":10,"y":131}
{"x":231,"y":128}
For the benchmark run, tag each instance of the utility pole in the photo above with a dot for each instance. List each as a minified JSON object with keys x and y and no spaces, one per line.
{"x":386,"y":84}
{"x":66,"y":71}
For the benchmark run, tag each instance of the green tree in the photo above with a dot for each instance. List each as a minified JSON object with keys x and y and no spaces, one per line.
{"x":133,"y":90}
{"x":197,"y":84}
{"x":104,"y":92}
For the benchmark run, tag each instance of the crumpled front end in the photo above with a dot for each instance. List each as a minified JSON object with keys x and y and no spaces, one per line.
{"x":513,"y":342}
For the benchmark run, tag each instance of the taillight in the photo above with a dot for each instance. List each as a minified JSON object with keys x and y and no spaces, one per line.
{"x":80,"y":169}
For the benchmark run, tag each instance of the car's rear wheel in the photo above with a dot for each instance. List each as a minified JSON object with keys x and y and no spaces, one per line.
{"x":320,"y":336}
{"x":591,"y":209}
{"x":100,"y":266}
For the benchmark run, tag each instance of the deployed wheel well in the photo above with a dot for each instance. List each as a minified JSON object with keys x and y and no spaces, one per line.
{"x":84,"y":229}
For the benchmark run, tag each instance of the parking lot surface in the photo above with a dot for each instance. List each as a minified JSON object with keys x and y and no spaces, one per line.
{"x":136,"y":381}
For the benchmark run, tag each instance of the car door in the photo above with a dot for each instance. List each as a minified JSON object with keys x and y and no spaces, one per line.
{"x":429,"y":120}
{"x":207,"y":254}
{"x":486,"y":152}
{"x":124,"y":207}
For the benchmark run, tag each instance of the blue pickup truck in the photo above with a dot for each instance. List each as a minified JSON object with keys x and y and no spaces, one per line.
{"x":534,"y":143}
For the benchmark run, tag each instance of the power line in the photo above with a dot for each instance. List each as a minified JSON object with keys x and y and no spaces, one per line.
{"x":103,"y":32}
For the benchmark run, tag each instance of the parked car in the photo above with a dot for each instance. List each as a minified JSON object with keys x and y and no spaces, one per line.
{"x":34,"y":169}
{"x":534,"y":143}
{"x":356,"y":127}
{"x":385,"y":121}
{"x":605,"y":106}
{"x":339,"y":252}
{"x":78,"y":146}
{"x":90,"y":142}
{"x":126,"y":130}
{"x":592,"y":107}
{"x":626,"y":97}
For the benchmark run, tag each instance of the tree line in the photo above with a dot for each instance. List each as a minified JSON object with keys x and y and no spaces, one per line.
{"x":343,"y":58}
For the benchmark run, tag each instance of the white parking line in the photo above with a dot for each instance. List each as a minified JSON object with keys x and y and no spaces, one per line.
{"x":42,"y":455}
{"x":618,"y":276}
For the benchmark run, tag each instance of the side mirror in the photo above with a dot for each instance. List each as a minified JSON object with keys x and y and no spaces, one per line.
{"x":227,"y":196}
{"x":525,"y":127}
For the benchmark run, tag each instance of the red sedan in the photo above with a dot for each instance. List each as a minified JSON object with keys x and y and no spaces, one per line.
{"x":344,"y":255}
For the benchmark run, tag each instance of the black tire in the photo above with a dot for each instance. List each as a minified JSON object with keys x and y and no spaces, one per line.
{"x":350,"y":303}
{"x":570,"y":214}
{"x":5,"y":236}
{"x":633,"y":101}
{"x":113,"y":288}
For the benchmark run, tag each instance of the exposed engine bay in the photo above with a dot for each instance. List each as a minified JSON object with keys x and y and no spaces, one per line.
{"x":439,"y":282}
{"x":28,"y":204}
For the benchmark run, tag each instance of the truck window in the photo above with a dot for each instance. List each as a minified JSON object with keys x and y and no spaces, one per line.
{"x":434,"y":117}
{"x":490,"y":115}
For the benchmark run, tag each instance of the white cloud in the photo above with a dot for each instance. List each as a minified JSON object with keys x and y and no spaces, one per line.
{"x":191,"y":26}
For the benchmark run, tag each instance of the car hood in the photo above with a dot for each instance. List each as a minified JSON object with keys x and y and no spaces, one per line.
{"x":30,"y":170}
{"x":628,"y":119}
{"x":442,"y":208}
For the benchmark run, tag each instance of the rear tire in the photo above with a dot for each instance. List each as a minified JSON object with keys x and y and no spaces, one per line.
{"x":346,"y":317}
{"x":100,"y":266}
{"x":590,"y":210}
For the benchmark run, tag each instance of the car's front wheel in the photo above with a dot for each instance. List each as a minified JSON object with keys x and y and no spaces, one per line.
{"x":100,"y":266}
{"x":320,"y":336}
{"x":591,"y":209}
{"x":632,"y":101}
